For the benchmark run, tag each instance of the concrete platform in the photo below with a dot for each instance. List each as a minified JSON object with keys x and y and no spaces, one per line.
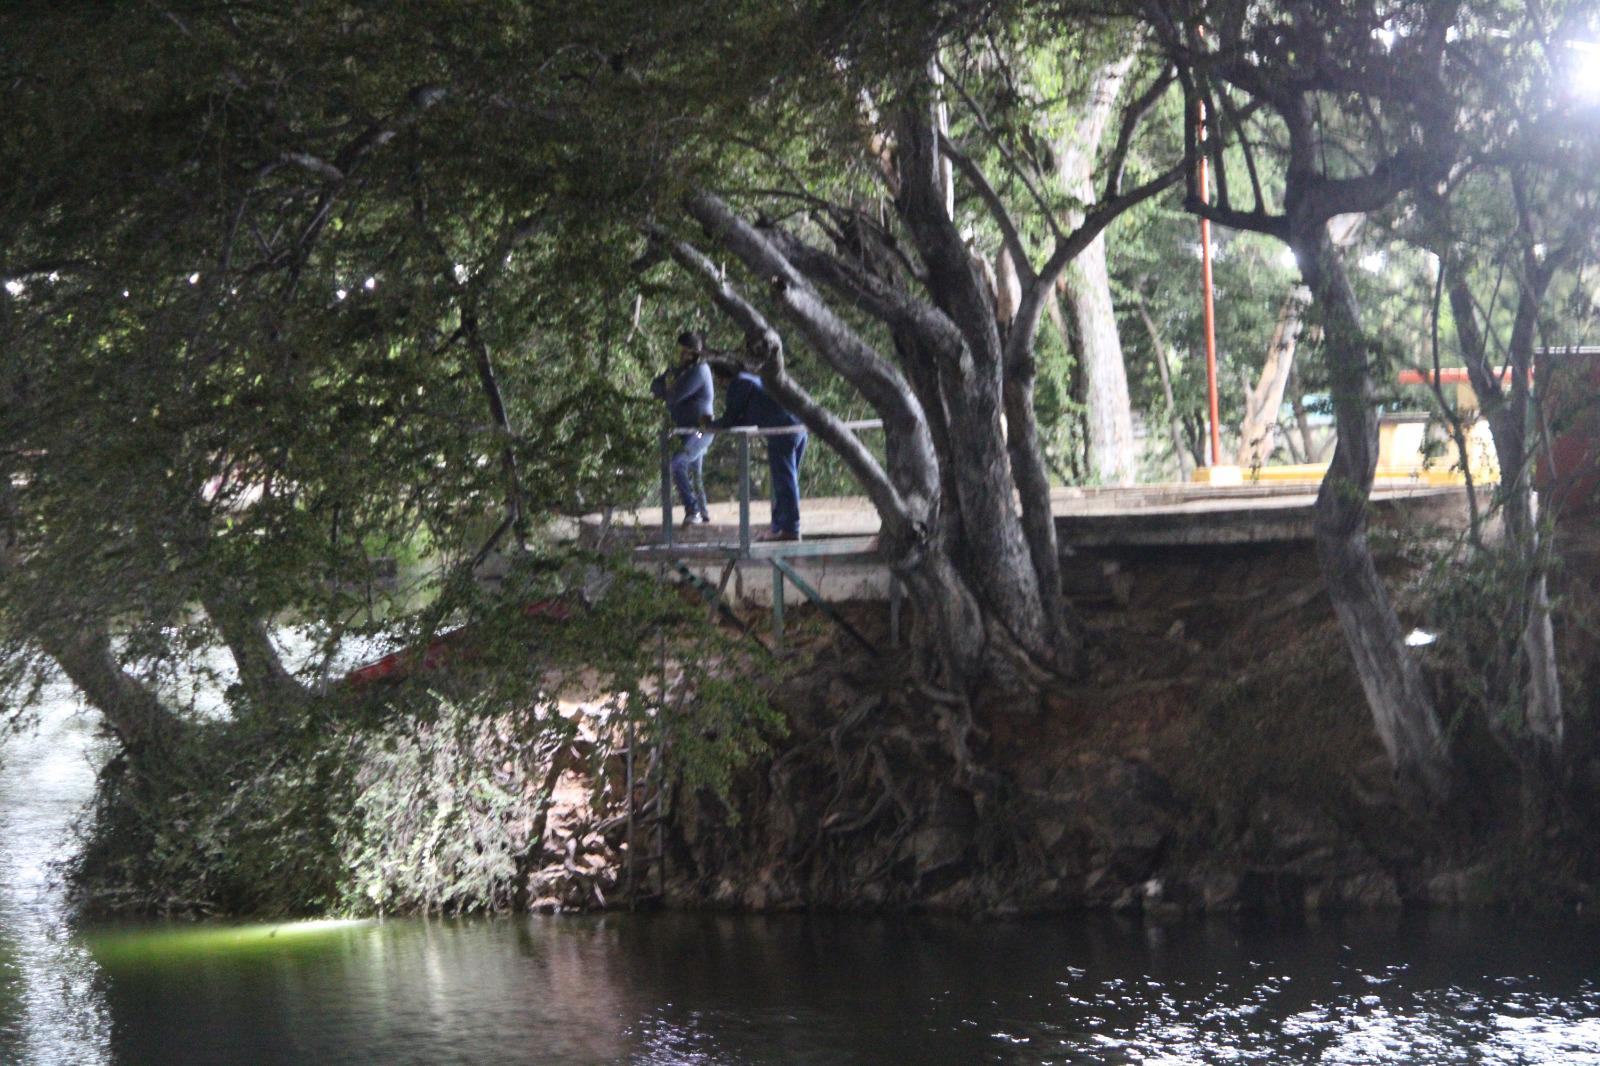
{"x":837,"y":555}
{"x":1175,"y":514}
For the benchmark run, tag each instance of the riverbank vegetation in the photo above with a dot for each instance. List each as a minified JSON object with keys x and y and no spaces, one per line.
{"x":295,"y":293}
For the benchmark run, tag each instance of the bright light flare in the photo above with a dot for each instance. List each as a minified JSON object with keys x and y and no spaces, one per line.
{"x":1583,"y":72}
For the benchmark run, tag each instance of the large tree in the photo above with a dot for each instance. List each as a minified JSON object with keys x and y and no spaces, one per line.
{"x":286,"y":293}
{"x":914,"y":320}
{"x":1363,"y":102}
{"x":1514,"y":222}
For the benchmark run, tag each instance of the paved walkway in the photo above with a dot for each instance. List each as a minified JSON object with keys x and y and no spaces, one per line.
{"x":1181,"y":514}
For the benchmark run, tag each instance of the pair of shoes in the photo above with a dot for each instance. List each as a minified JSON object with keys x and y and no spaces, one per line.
{"x":779,"y":534}
{"x":695,"y":519}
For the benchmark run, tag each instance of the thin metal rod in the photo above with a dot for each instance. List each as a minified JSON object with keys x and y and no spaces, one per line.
{"x":816,"y":597}
{"x":1206,"y":293}
{"x":633,"y":853}
{"x":777,"y":607}
{"x":744,"y":493}
{"x":666,"y":487}
{"x":702,"y":586}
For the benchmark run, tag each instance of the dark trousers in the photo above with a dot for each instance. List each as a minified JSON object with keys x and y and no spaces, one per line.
{"x":784,"y":452}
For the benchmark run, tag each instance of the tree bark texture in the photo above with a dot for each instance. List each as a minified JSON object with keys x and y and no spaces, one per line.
{"x":141,"y":722}
{"x":1112,"y":456}
{"x":1288,"y":72}
{"x":1401,"y":706}
{"x":1508,"y":408}
{"x":982,"y":572}
{"x":1180,"y":453}
{"x":1258,"y":433}
{"x":1112,"y":459}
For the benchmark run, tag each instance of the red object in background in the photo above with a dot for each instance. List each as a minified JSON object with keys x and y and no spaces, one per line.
{"x":1450,"y":375}
{"x":1567,"y":382}
{"x":447,"y":646}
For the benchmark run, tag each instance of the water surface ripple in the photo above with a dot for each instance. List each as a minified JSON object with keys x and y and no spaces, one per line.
{"x":718,"y":989}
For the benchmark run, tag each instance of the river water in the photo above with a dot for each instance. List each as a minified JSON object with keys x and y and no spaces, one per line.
{"x":717,"y":989}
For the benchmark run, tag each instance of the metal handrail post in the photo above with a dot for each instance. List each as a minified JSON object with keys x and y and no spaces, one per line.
{"x":777,"y":609}
{"x":744,"y":493}
{"x":666,"y":486}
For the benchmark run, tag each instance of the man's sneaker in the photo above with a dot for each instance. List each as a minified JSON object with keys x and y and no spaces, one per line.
{"x":693,"y":519}
{"x":778,"y":535}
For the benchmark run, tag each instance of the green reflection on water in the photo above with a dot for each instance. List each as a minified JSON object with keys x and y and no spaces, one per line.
{"x":155,"y":944}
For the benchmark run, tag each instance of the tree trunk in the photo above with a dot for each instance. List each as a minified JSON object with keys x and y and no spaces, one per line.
{"x":1112,"y":459}
{"x":1258,"y":433}
{"x":1180,"y":454}
{"x":1302,"y":421}
{"x":142,"y":723}
{"x":1401,"y":708}
{"x":951,"y":530}
{"x":1088,"y":283}
{"x":261,"y":672}
{"x":997,"y":560}
{"x":1509,"y":417}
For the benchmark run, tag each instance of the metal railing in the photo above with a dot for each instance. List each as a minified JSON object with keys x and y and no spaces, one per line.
{"x":742,"y":436}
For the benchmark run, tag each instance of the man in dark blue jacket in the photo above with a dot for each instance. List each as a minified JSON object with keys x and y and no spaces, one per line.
{"x":687,"y":391}
{"x":749,"y":405}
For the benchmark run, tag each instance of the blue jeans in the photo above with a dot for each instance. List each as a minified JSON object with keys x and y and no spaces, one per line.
{"x":783,"y":463}
{"x":686,"y":472}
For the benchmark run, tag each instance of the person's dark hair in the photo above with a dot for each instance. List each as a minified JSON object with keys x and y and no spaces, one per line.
{"x":724,"y":369}
{"x":692,"y":339}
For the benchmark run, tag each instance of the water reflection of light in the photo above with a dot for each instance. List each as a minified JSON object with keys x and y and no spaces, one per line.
{"x":50,"y":983}
{"x":152,"y":942}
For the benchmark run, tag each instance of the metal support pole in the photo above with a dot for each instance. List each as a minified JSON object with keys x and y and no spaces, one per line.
{"x":777,"y":609}
{"x":779,"y":564}
{"x":633,"y":853}
{"x":666,"y":486}
{"x":1210,"y":316}
{"x":896,"y":595}
{"x":744,"y":493}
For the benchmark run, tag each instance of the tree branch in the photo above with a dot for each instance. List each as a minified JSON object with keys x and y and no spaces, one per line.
{"x":1131,"y":117}
{"x":1100,"y":216}
{"x":1017,"y":168}
{"x":997,"y":208}
{"x":764,"y":341}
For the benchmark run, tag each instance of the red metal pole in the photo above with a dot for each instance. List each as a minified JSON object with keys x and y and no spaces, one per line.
{"x":1205,"y":284}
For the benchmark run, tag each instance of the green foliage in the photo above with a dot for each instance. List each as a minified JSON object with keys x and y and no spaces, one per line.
{"x":234,"y":820}
{"x":429,"y":794}
{"x":444,"y":814}
{"x":1478,"y":603}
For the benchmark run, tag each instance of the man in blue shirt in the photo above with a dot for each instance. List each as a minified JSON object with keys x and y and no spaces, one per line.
{"x":749,"y":405}
{"x":687,"y":391}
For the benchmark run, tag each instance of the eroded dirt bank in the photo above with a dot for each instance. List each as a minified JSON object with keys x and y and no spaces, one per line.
{"x":1218,"y":757}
